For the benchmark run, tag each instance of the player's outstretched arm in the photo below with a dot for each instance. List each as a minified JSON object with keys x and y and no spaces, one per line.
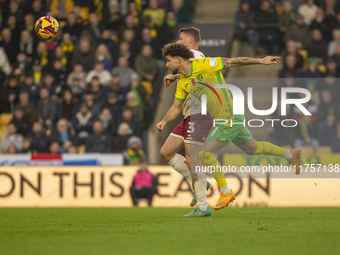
{"x":243,"y":61}
{"x":172,"y":114}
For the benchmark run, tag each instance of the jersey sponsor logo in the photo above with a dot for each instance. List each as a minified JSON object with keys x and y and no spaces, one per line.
{"x":213,"y":62}
{"x":207,"y":88}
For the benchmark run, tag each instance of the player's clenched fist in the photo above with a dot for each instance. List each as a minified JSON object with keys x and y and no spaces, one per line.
{"x":161,"y":125}
{"x":169,"y":79}
{"x":269,"y":60}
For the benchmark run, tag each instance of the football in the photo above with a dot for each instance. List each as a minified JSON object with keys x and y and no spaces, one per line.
{"x":46,"y":27}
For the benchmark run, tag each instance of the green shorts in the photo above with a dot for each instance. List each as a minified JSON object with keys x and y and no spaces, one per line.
{"x":236,"y":134}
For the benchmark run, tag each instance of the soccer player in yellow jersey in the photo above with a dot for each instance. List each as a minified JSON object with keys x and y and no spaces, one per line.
{"x":199,"y":77}
{"x":189,"y":133}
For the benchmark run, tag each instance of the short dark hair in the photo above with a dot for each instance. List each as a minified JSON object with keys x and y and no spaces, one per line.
{"x":193,"y":32}
{"x":177,"y":50}
{"x":141,"y":160}
{"x":126,"y":108}
{"x":88,"y":92}
{"x":44,"y":87}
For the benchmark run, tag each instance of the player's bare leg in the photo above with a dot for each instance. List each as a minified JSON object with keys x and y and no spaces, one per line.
{"x":208,"y":159}
{"x":253,"y":147}
{"x":169,"y":154}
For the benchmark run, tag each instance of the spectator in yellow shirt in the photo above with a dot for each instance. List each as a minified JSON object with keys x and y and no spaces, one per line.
{"x":156,"y":13}
{"x":61,"y":8}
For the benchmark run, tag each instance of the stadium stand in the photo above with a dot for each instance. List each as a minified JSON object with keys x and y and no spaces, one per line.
{"x":306,"y":36}
{"x":107,"y":55}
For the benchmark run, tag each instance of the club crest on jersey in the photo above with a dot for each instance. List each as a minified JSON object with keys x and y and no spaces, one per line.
{"x":199,"y":77}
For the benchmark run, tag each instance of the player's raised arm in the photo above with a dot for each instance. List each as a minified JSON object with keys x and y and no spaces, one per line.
{"x":172,"y":114}
{"x":243,"y":61}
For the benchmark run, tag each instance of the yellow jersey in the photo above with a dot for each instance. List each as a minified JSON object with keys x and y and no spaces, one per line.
{"x":205,"y":74}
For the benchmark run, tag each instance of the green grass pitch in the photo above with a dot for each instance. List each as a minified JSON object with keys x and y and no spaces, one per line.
{"x":163,"y":231}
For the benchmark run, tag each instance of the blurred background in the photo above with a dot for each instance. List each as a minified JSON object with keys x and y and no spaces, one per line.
{"x":97,"y":87}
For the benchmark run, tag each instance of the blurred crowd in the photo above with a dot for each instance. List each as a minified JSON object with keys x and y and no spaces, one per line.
{"x":307,"y":34}
{"x":96,"y":84}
